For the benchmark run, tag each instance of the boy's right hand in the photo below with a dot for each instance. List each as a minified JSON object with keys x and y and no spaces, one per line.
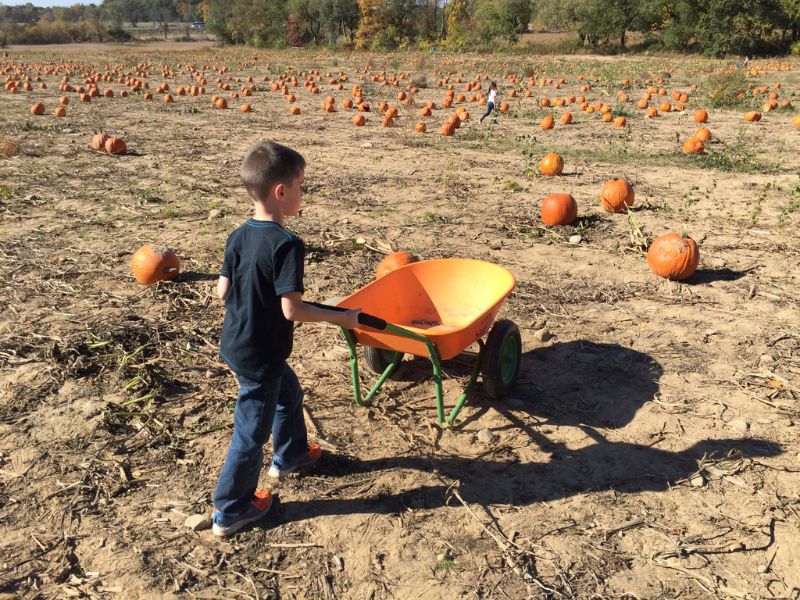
{"x":349,"y":318}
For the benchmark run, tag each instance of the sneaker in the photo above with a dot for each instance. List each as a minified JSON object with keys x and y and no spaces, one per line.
{"x":262,"y":502}
{"x":281,"y":467}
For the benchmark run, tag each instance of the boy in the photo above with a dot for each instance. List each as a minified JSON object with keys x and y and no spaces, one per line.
{"x":261,"y":282}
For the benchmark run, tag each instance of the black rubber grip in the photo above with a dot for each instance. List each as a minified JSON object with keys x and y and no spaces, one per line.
{"x":363,"y":318}
{"x":371,"y":321}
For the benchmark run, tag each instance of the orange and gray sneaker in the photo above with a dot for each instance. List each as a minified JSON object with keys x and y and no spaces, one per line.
{"x":281,"y":467}
{"x":262,"y":502}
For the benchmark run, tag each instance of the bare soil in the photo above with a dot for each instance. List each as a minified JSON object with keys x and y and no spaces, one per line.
{"x":649,"y":449}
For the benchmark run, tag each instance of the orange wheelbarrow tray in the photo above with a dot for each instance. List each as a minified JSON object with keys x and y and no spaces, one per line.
{"x":436,"y":309}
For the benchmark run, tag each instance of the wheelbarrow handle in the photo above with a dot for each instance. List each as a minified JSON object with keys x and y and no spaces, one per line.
{"x":363,"y":318}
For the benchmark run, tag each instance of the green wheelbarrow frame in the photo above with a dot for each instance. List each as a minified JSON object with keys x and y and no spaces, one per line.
{"x":433,"y":354}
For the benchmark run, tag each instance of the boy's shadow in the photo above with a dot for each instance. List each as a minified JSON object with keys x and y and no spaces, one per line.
{"x":576,"y":384}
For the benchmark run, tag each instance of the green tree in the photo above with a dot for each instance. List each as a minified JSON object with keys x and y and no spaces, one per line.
{"x":740,"y":27}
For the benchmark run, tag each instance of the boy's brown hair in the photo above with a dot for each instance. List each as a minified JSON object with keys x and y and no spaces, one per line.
{"x":268,"y":163}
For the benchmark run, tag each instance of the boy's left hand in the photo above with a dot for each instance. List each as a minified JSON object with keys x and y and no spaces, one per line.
{"x":349,"y":318}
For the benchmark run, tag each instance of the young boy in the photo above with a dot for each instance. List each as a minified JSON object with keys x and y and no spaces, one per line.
{"x":261,"y":282}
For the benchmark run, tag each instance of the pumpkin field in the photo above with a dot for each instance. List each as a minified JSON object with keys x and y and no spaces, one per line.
{"x":650,"y":447}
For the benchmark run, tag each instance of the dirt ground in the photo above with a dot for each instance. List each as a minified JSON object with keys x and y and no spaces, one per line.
{"x":649,"y":449}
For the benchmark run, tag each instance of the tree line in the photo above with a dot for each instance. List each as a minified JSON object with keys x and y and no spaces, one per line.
{"x":714,"y":27}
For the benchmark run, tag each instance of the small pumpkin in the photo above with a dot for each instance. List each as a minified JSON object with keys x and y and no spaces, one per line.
{"x":703,"y":134}
{"x":566,"y":118}
{"x":246,"y":108}
{"x":551,"y":164}
{"x":37,"y":109}
{"x":673,"y":256}
{"x":693,"y":145}
{"x":752,"y":116}
{"x":420,"y":127}
{"x":607,"y":118}
{"x":295,"y":110}
{"x":559,"y":209}
{"x":98,"y":142}
{"x":547,"y":123}
{"x":60,"y":112}
{"x":359,"y":120}
{"x":63,"y":101}
{"x":796,"y":122}
{"x":620,"y":122}
{"x":393,"y":261}
{"x":505,"y":107}
{"x":152,"y":263}
{"x":616,"y":195}
{"x":115,"y":145}
{"x":701,"y":116}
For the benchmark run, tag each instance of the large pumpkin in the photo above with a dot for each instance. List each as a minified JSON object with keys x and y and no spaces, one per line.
{"x":616,"y":195}
{"x":559,"y":209}
{"x":394,"y":261}
{"x":152,"y":263}
{"x":693,"y":145}
{"x":115,"y":145}
{"x":673,"y":256}
{"x":551,"y":164}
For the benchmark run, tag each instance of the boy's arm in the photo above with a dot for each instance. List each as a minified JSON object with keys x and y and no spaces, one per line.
{"x":223,"y":287}
{"x":294,"y":309}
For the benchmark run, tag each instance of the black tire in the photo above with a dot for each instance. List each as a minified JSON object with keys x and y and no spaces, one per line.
{"x":378,"y":358}
{"x":501,"y":359}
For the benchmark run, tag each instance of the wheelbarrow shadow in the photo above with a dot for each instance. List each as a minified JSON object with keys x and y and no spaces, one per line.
{"x":574,"y":384}
{"x":585,"y":383}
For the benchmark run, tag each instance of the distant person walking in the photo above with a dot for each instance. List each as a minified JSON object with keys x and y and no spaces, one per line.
{"x":490,"y":101}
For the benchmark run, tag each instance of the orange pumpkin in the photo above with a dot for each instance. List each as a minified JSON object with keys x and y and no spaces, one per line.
{"x":752,"y":116}
{"x":566,"y":118}
{"x":98,"y":142}
{"x":295,"y":110}
{"x":616,"y":195}
{"x":504,"y":107}
{"x":703,"y":134}
{"x":37,"y":109}
{"x":547,"y":122}
{"x":693,"y":145}
{"x":115,"y":145}
{"x":63,"y":101}
{"x":551,"y":164}
{"x":246,"y":108}
{"x":673,"y":256}
{"x":151,"y":264}
{"x":559,"y":209}
{"x":60,"y":112}
{"x":394,"y":261}
{"x":796,"y":122}
{"x":420,"y":127}
{"x":701,"y":116}
{"x":620,"y":122}
{"x":359,"y":120}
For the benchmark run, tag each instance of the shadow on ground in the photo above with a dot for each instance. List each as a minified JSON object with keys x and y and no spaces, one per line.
{"x":576,"y":384}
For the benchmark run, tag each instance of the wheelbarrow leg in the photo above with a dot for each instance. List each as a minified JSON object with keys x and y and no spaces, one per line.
{"x":366,"y":400}
{"x":476,"y":369}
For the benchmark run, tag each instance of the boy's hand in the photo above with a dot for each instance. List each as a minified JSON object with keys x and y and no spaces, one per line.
{"x":349,"y":318}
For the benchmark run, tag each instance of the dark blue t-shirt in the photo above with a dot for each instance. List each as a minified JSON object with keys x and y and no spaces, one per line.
{"x":262,"y":261}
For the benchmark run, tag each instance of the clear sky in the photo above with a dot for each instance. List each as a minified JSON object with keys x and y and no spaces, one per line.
{"x":46,"y":3}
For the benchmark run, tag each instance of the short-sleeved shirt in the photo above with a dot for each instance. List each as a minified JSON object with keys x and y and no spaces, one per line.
{"x":492,"y":96}
{"x":263,"y":261}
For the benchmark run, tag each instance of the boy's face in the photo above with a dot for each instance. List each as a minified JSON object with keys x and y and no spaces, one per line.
{"x":291,"y":195}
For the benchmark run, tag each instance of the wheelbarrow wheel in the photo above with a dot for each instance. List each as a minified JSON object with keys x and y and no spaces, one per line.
{"x":378,"y":358}
{"x":501,"y":358}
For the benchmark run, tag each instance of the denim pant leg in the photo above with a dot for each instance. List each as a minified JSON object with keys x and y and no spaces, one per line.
{"x":289,"y":435}
{"x":252,"y":422}
{"x":489,"y":109}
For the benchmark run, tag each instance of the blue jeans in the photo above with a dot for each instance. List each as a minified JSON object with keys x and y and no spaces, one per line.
{"x":489,"y":109}
{"x":262,"y":407}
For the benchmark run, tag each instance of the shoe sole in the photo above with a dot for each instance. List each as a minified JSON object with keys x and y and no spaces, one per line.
{"x":231,"y":529}
{"x":277,"y":473}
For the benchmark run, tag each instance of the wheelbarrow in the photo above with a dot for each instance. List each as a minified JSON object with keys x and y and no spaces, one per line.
{"x":436,"y":309}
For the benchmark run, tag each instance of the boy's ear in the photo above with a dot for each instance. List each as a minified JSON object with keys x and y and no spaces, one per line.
{"x":279,"y":189}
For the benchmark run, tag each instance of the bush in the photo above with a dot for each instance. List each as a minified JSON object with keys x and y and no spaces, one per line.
{"x":795,"y":49}
{"x":727,"y":89}
{"x":118,"y":34}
